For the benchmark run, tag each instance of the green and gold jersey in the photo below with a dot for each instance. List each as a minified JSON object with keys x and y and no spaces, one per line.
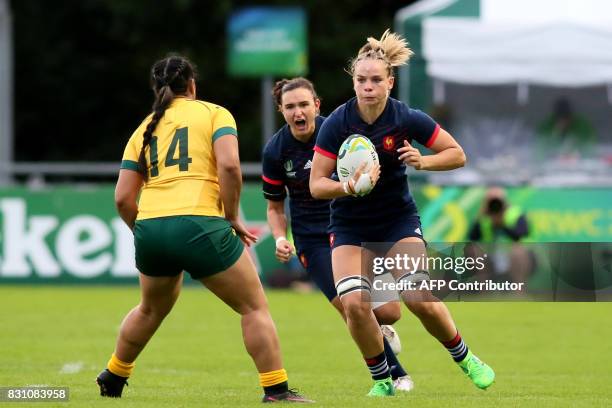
{"x":180,"y":160}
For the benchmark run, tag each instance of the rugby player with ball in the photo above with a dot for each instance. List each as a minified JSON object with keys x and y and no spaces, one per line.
{"x":375,"y":204}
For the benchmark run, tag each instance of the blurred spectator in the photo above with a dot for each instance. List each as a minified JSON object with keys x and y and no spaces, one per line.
{"x":565,"y":134}
{"x":502,"y":226}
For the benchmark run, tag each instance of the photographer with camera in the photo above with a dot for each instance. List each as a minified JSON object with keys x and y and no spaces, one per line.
{"x":502,"y":227}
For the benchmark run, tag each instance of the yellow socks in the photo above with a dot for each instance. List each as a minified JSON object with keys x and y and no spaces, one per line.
{"x":121,"y":368}
{"x":274,"y":382}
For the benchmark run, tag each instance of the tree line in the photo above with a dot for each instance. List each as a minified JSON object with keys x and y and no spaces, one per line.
{"x":81,"y":67}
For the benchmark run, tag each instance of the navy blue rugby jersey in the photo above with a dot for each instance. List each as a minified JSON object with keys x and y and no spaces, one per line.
{"x":286,"y":166}
{"x":390,"y":198}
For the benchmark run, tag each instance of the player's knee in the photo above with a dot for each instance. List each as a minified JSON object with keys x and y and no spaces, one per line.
{"x":355,"y":308}
{"x":248,"y":306}
{"x":388,"y":313}
{"x":155,"y":311}
{"x":351,"y":290}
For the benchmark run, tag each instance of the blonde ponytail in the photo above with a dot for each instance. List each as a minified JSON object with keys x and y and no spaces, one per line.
{"x":391,"y":48}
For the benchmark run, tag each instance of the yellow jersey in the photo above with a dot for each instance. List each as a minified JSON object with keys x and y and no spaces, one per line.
{"x":180,"y":160}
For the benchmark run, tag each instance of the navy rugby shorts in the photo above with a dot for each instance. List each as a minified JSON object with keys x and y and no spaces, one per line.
{"x":391,"y":231}
{"x":316,"y":259}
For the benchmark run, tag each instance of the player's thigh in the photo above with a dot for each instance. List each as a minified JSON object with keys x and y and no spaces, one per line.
{"x":159,"y":293}
{"x":415,"y":270}
{"x":352,"y":286}
{"x":346,"y":261}
{"x":238,"y":286}
{"x":411,"y":253}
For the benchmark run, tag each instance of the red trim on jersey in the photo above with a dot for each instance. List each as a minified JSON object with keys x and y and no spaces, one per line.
{"x":433,"y":136}
{"x":332,"y":239}
{"x":325,"y":153}
{"x":269,"y":180}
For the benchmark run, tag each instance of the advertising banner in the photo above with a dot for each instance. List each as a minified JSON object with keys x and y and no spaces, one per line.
{"x":74,"y":235}
{"x":267,"y":41}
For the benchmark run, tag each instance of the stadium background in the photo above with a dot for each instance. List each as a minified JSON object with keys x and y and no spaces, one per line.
{"x":77,"y":88}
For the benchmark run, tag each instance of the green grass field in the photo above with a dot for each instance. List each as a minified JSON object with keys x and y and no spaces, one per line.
{"x":545,"y":354}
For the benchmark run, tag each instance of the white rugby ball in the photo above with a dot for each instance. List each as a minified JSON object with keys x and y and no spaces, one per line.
{"x":355,"y":150}
{"x":392,"y":337}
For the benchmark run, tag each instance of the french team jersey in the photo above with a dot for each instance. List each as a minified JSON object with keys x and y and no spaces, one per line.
{"x":391,"y":197}
{"x":286,"y":166}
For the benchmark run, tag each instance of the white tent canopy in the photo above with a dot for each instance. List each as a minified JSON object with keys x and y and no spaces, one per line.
{"x":494,"y":70}
{"x":545,"y":42}
{"x":554,"y":53}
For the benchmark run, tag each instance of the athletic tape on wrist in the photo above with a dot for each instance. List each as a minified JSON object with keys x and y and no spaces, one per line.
{"x":345,"y":187}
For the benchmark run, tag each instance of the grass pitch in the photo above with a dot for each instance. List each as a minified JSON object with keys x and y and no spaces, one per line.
{"x":544,"y":354}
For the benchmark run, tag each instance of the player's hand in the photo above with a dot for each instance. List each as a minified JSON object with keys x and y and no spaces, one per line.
{"x":410,"y":156}
{"x":242,"y":232}
{"x":362,"y":183}
{"x":284,"y":250}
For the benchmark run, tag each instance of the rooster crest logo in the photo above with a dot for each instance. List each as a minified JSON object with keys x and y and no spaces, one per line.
{"x":388,"y":143}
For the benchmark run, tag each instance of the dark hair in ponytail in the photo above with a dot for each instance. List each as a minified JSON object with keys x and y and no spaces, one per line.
{"x":169,"y":78}
{"x":286,"y":85}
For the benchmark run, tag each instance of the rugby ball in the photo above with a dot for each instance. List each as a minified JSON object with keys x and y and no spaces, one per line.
{"x":354,"y":151}
{"x":392,"y":337}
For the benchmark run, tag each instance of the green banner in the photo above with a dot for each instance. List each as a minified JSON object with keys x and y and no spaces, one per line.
{"x":73,"y":234}
{"x":267,"y":41}
{"x":64,"y":235}
{"x":554,"y":214}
